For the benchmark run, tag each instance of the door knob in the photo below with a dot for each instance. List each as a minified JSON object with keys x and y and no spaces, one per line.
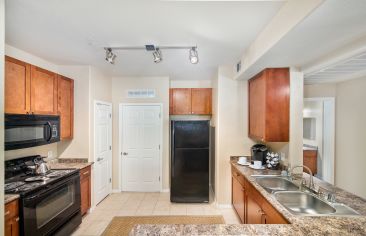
{"x":125,"y":153}
{"x":99,"y":159}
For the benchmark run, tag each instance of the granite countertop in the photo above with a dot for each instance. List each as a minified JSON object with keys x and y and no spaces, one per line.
{"x":69,"y":163}
{"x":299,"y":225}
{"x":10,"y":197}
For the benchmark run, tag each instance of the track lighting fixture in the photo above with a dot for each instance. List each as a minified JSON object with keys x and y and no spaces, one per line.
{"x":157,"y":55}
{"x":193,"y":55}
{"x":110,"y":56}
{"x":156,"y":51}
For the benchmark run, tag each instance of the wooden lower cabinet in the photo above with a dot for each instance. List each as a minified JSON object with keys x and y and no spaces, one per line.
{"x":12,"y":218}
{"x":310,"y":160}
{"x":250,"y":205}
{"x":238,"y":198}
{"x":85,"y":189}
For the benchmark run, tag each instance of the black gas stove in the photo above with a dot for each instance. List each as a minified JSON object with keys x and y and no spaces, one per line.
{"x":26,"y":183}
{"x":49,"y":204}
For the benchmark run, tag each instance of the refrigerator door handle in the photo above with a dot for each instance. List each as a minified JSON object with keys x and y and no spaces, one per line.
{"x":172,"y":153}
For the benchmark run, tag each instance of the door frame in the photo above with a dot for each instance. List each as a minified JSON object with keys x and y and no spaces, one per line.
{"x":330,"y":134}
{"x":120,"y":138}
{"x":96,"y":102}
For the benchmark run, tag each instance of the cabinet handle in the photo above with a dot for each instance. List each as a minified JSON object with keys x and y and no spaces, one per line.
{"x":17,"y":219}
{"x":242,"y":190}
{"x":86,"y":172}
{"x":236,"y":174}
{"x":7,"y":213}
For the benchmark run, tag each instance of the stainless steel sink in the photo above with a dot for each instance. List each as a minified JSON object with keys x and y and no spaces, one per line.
{"x":303,"y":203}
{"x":274,"y":184}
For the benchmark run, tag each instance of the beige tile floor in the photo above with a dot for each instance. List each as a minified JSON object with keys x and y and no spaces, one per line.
{"x":140,"y":204}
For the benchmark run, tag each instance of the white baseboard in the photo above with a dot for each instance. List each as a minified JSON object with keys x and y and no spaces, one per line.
{"x":116,"y":190}
{"x":167,"y":190}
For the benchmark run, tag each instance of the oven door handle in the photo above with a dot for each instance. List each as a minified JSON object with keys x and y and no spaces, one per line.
{"x":51,"y":188}
{"x":50,"y":132}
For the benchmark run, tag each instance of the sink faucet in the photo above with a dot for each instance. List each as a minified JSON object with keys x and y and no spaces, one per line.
{"x":311,"y":182}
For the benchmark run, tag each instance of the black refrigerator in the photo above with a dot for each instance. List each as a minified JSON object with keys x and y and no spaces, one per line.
{"x":190,"y":150}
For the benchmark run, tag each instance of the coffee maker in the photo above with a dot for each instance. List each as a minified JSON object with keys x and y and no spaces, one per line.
{"x":259,"y":153}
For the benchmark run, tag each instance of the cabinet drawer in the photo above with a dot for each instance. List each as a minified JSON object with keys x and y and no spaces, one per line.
{"x":85,"y":172}
{"x":238,"y":176}
{"x":11,"y":209}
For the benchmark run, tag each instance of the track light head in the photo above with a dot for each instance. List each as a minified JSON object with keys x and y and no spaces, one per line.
{"x":110,"y":56}
{"x":157,"y":55}
{"x":193,"y":55}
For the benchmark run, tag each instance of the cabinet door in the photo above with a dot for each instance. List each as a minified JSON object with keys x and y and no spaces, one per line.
{"x":238,"y":199}
{"x":85,"y":190}
{"x":255,"y":214}
{"x":170,"y":101}
{"x":181,"y":101}
{"x":17,"y":86}
{"x":310,"y":160}
{"x":257,"y":109}
{"x":8,"y":227}
{"x":65,"y":106}
{"x":201,"y":101}
{"x":43,"y":91}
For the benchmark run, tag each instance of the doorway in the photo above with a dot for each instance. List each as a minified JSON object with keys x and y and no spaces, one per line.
{"x":319,"y":134}
{"x":102,"y":150}
{"x":140,"y":132}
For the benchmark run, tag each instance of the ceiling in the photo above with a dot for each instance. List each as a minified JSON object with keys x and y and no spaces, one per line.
{"x":75,"y":32}
{"x":333,"y":25}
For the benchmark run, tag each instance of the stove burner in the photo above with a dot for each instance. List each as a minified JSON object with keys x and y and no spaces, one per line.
{"x":36,"y":178}
{"x":13,"y":185}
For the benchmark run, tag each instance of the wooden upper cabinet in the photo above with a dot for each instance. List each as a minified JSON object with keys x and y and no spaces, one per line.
{"x":188,"y":101}
{"x":181,"y":101}
{"x":43,"y":91}
{"x":65,"y":105}
{"x":269,"y":105}
{"x":17,"y":86}
{"x":201,"y":101}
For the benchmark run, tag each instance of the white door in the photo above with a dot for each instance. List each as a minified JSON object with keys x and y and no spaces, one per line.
{"x":140,"y":147}
{"x":102,"y":150}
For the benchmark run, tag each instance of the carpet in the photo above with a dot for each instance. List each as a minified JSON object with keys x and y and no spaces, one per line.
{"x":122,"y":225}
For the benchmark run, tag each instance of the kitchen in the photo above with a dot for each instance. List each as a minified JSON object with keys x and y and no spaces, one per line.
{"x":158,"y":147}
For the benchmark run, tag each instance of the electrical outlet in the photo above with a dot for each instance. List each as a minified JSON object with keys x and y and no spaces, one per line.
{"x":49,"y":154}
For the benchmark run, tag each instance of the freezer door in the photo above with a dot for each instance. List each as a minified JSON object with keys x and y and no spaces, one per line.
{"x":190,"y":175}
{"x":191,"y":134}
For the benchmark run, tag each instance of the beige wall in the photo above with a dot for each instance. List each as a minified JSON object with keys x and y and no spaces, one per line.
{"x":230,"y":119}
{"x":190,"y":83}
{"x":2,"y":41}
{"x":78,"y":147}
{"x":350,"y":131}
{"x":320,"y":90}
{"x":100,"y":89}
{"x":120,"y":85}
{"x":351,"y":136}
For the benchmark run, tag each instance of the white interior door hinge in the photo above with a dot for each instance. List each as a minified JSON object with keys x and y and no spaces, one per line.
{"x":110,"y":180}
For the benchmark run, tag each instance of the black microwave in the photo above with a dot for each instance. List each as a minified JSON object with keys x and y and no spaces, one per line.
{"x":24,"y":131}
